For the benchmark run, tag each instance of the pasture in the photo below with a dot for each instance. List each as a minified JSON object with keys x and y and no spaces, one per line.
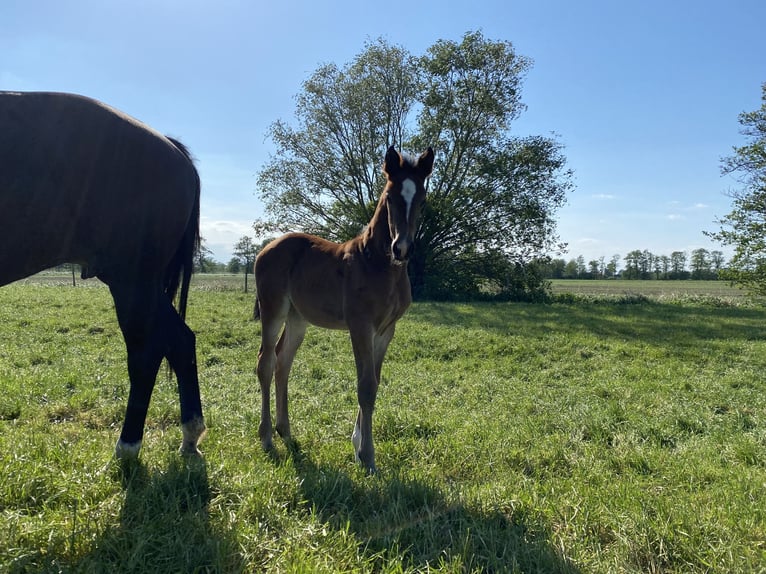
{"x":572,"y":437}
{"x":659,"y":290}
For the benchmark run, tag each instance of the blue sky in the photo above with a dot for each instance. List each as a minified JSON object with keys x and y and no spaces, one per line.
{"x":643,"y":95}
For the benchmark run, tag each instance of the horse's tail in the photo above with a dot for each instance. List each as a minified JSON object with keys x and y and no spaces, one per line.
{"x":179,"y":270}
{"x":256,"y":310}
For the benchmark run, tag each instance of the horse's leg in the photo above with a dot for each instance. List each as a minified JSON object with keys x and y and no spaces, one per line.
{"x":362,"y":341}
{"x":272,"y":319}
{"x":289,"y":342}
{"x":136,"y":307}
{"x":182,"y":356}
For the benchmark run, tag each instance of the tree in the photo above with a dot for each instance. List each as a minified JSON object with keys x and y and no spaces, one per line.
{"x":633,"y":263}
{"x":234,"y":265}
{"x":646,"y":263}
{"x":700,"y":264}
{"x":664,"y":263}
{"x":678,"y":265}
{"x":717,"y":261}
{"x":245,"y":250}
{"x":613,"y":266}
{"x":556,"y":268}
{"x":745,"y":227}
{"x":594,"y":269}
{"x":203,"y":261}
{"x":326,"y":177}
{"x":570,"y":270}
{"x":492,"y":195}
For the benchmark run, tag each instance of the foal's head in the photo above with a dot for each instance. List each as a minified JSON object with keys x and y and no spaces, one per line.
{"x":404,"y":194}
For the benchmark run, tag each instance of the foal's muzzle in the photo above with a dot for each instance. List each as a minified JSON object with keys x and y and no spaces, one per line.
{"x":402,"y":250}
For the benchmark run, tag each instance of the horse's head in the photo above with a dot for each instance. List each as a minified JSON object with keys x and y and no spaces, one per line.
{"x":405,"y":194}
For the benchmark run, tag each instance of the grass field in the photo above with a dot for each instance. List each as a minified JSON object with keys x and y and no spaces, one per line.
{"x":569,"y":437}
{"x":662,"y":290}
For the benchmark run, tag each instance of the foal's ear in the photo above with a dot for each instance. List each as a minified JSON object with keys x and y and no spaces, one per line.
{"x":392,"y":163}
{"x":426,"y":162}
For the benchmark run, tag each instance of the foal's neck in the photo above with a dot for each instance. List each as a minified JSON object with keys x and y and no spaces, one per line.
{"x":377,"y":236}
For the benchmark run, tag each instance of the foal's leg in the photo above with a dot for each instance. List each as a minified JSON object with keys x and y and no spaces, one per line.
{"x":291,"y":339}
{"x":380,"y":342}
{"x":136,"y":308}
{"x":380,"y":346}
{"x":272,"y":319}
{"x":363,"y":343}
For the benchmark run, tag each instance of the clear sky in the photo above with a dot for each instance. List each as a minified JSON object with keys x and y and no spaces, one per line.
{"x":644,"y":95}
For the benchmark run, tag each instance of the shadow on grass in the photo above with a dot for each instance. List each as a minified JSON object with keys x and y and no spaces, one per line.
{"x":649,"y":322}
{"x":164,"y":524}
{"x":411,"y":522}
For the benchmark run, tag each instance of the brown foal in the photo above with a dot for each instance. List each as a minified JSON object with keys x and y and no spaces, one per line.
{"x":361,"y":286}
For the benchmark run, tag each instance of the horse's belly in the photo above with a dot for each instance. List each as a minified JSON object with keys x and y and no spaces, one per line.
{"x":328,"y":315}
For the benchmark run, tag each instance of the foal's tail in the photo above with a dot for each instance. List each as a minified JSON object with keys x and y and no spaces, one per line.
{"x":180,"y":268}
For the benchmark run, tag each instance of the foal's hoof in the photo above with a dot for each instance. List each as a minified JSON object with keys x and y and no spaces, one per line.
{"x":267,"y":443}
{"x":368,"y":467}
{"x":283,"y":431}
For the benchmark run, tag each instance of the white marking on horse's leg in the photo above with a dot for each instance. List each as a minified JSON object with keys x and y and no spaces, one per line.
{"x":127,"y":450}
{"x":193,"y":432}
{"x":408,"y":193}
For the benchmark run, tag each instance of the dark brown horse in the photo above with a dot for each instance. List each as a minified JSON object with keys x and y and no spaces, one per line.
{"x":83,"y":183}
{"x":360,"y":285}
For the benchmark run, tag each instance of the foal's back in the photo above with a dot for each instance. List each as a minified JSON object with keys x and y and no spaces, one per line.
{"x":304,"y":272}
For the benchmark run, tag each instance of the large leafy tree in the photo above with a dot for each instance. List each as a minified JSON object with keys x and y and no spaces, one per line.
{"x":492,"y":196}
{"x":745,"y":227}
{"x":325,"y":177}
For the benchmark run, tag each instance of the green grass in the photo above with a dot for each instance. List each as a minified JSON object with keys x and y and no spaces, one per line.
{"x":658,"y":290}
{"x":588,"y":437}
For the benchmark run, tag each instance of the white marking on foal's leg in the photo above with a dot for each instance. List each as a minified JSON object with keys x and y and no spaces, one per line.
{"x":408,"y":193}
{"x":356,"y":440}
{"x":127,"y":450}
{"x":193,"y":431}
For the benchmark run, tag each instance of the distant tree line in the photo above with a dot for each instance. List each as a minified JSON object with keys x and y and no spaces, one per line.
{"x":640,"y":264}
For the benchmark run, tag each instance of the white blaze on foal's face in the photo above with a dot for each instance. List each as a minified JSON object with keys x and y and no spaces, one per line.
{"x":408,"y":193}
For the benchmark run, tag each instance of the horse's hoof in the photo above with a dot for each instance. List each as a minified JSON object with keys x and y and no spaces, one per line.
{"x":127,"y":450}
{"x":189,"y":449}
{"x":193,"y":431}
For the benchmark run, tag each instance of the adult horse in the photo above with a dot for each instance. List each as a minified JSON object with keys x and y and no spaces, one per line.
{"x":360,"y":285}
{"x":81,"y":182}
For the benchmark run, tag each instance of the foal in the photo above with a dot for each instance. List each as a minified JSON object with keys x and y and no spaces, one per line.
{"x":361,"y":286}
